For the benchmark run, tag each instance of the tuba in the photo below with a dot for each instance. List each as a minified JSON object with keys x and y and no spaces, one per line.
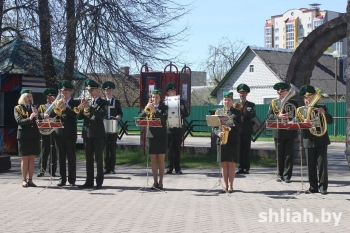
{"x":318,"y":121}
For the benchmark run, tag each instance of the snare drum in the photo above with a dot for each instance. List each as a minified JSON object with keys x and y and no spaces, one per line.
{"x":111,"y":126}
{"x":174,"y":116}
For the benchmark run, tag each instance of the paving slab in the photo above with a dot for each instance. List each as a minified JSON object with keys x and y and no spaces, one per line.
{"x":191,"y":202}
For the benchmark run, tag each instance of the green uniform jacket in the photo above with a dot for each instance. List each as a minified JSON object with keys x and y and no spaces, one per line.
{"x":162,"y":114}
{"x":272,"y":115}
{"x":247,"y":127}
{"x":27,"y":129}
{"x":69,"y":120}
{"x":310,"y":140}
{"x":93,"y":123}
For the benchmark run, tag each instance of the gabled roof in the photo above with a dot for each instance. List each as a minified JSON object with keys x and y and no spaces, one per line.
{"x":277,"y":60}
{"x":20,"y":57}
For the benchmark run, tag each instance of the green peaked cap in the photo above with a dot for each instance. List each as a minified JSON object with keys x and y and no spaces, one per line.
{"x":65,"y":85}
{"x":227,"y":94}
{"x":281,"y":86}
{"x":108,"y":85}
{"x":91,"y":84}
{"x":170,"y":86}
{"x":159,"y":92}
{"x":50,"y":91}
{"x":307,"y":90}
{"x":26,"y":91}
{"x":243,"y":88}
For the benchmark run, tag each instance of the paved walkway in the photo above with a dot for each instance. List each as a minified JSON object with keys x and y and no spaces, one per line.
{"x":258,"y":204}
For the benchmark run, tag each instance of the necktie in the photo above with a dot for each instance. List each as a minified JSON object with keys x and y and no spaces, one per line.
{"x":93,"y":102}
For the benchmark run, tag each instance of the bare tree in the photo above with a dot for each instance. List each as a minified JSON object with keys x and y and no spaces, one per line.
{"x":45,"y":41}
{"x":221,"y":58}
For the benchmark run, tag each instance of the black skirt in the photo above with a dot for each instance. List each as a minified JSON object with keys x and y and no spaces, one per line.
{"x":228,"y":153}
{"x":157,"y":145}
{"x":28,"y":147}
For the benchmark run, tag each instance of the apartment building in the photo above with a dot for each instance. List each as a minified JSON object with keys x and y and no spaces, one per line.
{"x":288,"y":29}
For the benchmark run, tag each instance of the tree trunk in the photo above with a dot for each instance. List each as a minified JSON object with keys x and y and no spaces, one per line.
{"x":348,"y":86}
{"x":45,"y":42}
{"x":1,"y":16}
{"x":70,"y":41}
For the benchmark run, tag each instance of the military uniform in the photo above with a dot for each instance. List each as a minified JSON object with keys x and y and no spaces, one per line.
{"x":47,"y":141}
{"x":114,"y":109}
{"x":230,"y":151}
{"x":157,"y":136}
{"x":175,"y":137}
{"x":315,"y":148}
{"x":284,"y":139}
{"x":94,"y":135}
{"x":247,"y":129}
{"x":28,"y":136}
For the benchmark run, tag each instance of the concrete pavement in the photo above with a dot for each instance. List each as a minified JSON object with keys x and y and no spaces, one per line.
{"x":258,"y":204}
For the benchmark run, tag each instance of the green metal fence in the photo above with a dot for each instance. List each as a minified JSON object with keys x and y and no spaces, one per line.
{"x":198,"y":113}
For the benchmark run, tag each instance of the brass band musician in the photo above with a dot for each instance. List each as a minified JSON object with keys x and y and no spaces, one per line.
{"x":228,"y":154}
{"x":247,"y":109}
{"x":93,"y":112}
{"x":284,"y":140}
{"x":315,"y":144}
{"x":66,"y":137}
{"x":115,"y":112}
{"x":50,"y":94}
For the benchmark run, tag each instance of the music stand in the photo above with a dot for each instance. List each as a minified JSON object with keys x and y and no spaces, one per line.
{"x":299,"y":126}
{"x":216,"y":121}
{"x":146,"y":122}
{"x":46,"y":127}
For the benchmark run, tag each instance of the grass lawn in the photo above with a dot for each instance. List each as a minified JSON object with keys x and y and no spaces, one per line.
{"x":137,"y":158}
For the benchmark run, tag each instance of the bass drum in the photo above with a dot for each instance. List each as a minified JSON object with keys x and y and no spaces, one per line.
{"x":111,"y":126}
{"x":174,"y":117}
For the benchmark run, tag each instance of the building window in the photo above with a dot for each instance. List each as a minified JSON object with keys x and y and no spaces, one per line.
{"x":277,"y":46}
{"x":290,"y":36}
{"x":309,"y":25}
{"x":289,"y":27}
{"x":290,"y":45}
{"x":268,"y":31}
{"x":277,"y":30}
{"x":277,"y":38}
{"x":318,"y":23}
{"x":301,"y":34}
{"x":300,"y":26}
{"x":308,"y":33}
{"x":251,"y":68}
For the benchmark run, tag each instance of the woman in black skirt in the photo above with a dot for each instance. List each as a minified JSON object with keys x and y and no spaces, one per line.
{"x":28,"y":136}
{"x":157,"y":136}
{"x":228,"y":154}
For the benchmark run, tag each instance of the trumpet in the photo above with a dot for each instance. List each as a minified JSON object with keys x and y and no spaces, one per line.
{"x":148,"y":109}
{"x":59,"y":106}
{"x":81,"y":106}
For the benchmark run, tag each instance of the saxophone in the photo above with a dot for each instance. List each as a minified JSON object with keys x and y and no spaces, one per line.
{"x":224,"y":128}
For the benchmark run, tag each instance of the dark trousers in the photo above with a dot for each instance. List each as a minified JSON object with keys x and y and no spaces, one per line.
{"x":45,"y":153}
{"x":244,"y":152}
{"x":285,"y":152}
{"x":173,"y":149}
{"x":317,"y":157}
{"x":94,"y":146}
{"x":66,"y":151}
{"x":110,"y":151}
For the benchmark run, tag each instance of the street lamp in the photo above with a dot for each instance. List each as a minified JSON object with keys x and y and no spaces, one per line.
{"x":336,"y":55}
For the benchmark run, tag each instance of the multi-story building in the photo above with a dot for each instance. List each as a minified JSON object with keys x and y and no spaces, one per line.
{"x":288,"y":30}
